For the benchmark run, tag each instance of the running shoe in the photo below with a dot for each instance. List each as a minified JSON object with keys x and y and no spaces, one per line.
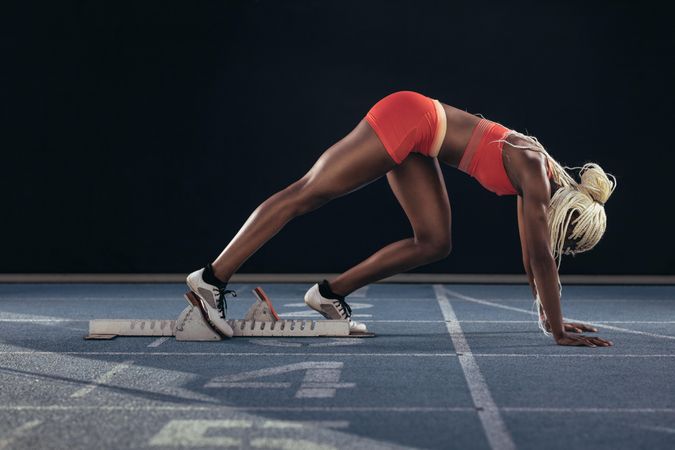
{"x":332,"y":308}
{"x":212,"y":300}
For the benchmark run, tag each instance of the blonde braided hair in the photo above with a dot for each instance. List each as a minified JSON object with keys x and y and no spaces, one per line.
{"x":586,"y":198}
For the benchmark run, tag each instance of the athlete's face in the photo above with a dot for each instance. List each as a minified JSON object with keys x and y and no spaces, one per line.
{"x":571,"y":244}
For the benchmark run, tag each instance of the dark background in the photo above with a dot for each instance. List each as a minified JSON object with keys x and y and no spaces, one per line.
{"x":139,"y":136}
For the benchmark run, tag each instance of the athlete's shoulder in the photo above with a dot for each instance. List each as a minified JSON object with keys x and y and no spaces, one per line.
{"x":528,"y":162}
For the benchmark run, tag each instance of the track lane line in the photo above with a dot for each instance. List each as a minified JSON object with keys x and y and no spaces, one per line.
{"x":398,"y":409}
{"x":101,"y":380}
{"x":316,"y":354}
{"x":159,"y":341}
{"x":654,"y":322}
{"x":405,"y":355}
{"x":18,"y":432}
{"x":222,"y":407}
{"x":493,"y":425}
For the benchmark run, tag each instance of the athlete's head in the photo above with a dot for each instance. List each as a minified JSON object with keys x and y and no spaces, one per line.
{"x":576,"y":213}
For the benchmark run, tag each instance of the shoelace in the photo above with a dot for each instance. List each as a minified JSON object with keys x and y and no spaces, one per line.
{"x":222,"y":303}
{"x":345,"y":306}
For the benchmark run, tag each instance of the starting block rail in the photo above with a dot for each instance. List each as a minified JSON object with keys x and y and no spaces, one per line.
{"x":261,"y":321}
{"x":110,"y":328}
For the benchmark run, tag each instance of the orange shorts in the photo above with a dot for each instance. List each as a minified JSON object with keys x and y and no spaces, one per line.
{"x":406,"y":121}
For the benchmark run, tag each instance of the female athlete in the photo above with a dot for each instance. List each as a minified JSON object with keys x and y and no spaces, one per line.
{"x":404,"y":136}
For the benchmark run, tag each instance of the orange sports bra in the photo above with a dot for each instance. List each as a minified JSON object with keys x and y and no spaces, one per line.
{"x":482,"y":158}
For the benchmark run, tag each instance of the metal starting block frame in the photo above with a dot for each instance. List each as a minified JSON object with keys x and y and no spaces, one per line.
{"x":261,"y":320}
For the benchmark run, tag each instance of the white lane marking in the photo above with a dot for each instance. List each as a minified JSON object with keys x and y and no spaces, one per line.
{"x":588,"y":410}
{"x":661,"y":429}
{"x":655,"y":322}
{"x":330,"y":354}
{"x":665,"y":322}
{"x":314,"y":314}
{"x":102,"y":380}
{"x":17,"y":433}
{"x":289,"y":444}
{"x":402,"y":321}
{"x":276,"y":343}
{"x":495,"y":429}
{"x":335,"y":342}
{"x":305,"y":424}
{"x":533,"y":313}
{"x":321,"y":379}
{"x":251,"y":385}
{"x":593,"y":300}
{"x":192,"y":433}
{"x":400,"y":409}
{"x":222,"y":408}
{"x":158,"y":342}
{"x":574,"y":355}
{"x":488,"y":303}
{"x":395,"y":355}
{"x":202,"y":433}
{"x":355,"y":306}
{"x":175,"y":299}
{"x":242,"y":354}
{"x":89,"y":298}
{"x":28,"y":320}
{"x":306,"y":312}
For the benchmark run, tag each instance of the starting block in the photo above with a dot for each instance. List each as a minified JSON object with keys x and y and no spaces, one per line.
{"x":261,"y":320}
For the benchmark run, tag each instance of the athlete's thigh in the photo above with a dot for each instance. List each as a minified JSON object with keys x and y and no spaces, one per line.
{"x":356,"y":160}
{"x":419,"y":186}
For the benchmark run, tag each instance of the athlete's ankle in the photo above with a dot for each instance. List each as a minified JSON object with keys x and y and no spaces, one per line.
{"x":326,"y":290}
{"x":210,"y":277}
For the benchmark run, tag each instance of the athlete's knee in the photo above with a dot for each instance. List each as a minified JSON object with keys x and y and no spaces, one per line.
{"x":306,"y":196}
{"x":436,"y":247}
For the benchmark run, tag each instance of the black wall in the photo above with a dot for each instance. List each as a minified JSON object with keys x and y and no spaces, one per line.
{"x":138,"y":137}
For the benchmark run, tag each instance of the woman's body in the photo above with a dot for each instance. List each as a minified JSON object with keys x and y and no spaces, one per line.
{"x":417,"y":182}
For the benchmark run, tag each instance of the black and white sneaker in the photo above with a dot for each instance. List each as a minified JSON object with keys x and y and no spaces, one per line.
{"x":332,"y":308}
{"x":212,"y":299}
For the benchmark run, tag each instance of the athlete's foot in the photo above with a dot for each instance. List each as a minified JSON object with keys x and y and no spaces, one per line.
{"x":332,"y":306}
{"x":212,"y":300}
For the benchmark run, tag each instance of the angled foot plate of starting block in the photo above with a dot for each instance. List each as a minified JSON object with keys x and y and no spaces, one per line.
{"x":261,"y":320}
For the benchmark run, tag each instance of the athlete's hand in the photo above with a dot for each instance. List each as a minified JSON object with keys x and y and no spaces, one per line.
{"x":581,"y":340}
{"x":573,"y":327}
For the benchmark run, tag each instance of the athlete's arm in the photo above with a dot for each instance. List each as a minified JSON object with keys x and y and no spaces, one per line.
{"x":523,"y":248}
{"x":573,"y":327}
{"x":526,"y":263}
{"x":536,"y":196}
